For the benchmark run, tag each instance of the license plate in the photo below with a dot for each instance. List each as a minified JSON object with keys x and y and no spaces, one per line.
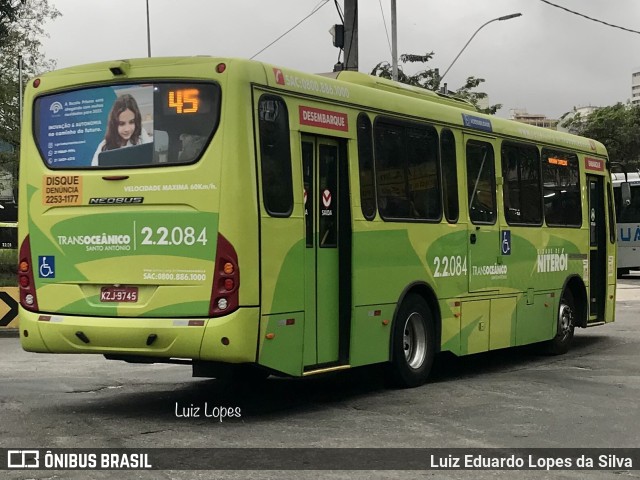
{"x":119,"y":294}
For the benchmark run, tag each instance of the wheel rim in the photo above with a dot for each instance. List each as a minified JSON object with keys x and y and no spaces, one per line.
{"x":414,"y":341}
{"x":565,"y":321}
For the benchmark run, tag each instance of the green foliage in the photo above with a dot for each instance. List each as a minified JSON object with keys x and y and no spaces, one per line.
{"x":22,"y":30}
{"x":8,"y":267}
{"x":8,"y":15}
{"x":617,"y":127}
{"x":429,"y":78}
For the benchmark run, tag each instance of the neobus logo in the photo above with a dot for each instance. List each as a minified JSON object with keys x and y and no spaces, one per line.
{"x":115,"y":200}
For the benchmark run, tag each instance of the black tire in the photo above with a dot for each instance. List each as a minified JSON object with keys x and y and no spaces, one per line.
{"x":413,"y":342}
{"x":566,"y":322}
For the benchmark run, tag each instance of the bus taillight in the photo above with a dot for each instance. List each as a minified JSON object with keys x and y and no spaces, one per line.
{"x":226,"y":280}
{"x":25,"y":277}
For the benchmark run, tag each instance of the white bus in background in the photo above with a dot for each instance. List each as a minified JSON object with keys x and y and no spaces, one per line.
{"x":628,"y":222}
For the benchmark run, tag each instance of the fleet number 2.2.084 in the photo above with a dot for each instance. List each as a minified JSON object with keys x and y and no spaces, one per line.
{"x":175,"y":236}
{"x":452,"y":266}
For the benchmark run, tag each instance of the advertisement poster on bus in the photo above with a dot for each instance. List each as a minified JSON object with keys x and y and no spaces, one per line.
{"x":89,"y":127}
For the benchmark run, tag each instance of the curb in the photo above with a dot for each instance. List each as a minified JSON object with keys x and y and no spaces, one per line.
{"x":9,"y":333}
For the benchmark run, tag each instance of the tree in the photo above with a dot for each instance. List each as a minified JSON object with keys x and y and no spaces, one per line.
{"x":616,"y":126}
{"x":429,"y":79}
{"x":23,"y":22}
{"x":8,"y":15}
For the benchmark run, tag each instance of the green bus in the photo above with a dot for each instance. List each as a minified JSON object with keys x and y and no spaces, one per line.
{"x":252,"y":219}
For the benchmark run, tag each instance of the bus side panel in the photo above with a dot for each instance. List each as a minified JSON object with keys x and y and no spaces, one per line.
{"x":370,"y":334}
{"x":536,"y":316}
{"x":281,"y":342}
{"x":282,"y":267}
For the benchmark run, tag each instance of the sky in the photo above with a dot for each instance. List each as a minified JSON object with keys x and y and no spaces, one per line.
{"x":547,"y":61}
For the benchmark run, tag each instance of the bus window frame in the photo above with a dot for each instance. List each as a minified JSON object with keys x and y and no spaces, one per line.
{"x":455,"y":193}
{"x":360,"y":139}
{"x":288,"y":163}
{"x":580,"y":172}
{"x":530,"y":146}
{"x":471,"y":195}
{"x":404,"y":124}
{"x":143,"y":81}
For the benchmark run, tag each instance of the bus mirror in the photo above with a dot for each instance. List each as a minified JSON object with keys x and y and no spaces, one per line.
{"x":625,"y":190}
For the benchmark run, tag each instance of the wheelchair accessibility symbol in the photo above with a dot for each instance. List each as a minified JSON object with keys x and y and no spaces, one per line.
{"x":505,"y":242}
{"x":47,"y":266}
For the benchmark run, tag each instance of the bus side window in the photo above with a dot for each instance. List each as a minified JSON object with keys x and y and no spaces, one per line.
{"x":275,"y":156}
{"x":561,"y":180}
{"x":628,"y":213}
{"x":390,"y":159}
{"x":612,"y":223}
{"x":407,"y":176}
{"x":522,"y":190}
{"x":449,"y":175}
{"x":365,"y":163}
{"x":481,"y":185}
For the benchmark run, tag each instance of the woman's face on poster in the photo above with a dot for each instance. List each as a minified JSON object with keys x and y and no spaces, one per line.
{"x":126,"y":124}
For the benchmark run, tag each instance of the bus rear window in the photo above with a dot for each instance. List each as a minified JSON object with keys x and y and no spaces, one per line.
{"x":130,"y":125}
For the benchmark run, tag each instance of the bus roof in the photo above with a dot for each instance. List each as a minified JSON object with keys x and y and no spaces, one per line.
{"x":391,"y":96}
{"x":442,"y":107}
{"x":402,"y":89}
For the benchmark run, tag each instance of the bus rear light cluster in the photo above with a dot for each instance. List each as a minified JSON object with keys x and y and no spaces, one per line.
{"x":226,"y":280}
{"x":28,"y":297}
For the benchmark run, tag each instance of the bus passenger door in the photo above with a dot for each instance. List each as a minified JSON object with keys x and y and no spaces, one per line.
{"x":483,"y":239}
{"x":322,"y":198}
{"x":597,"y":248}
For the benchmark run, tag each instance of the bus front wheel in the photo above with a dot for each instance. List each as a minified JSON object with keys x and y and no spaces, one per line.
{"x":413,"y":342}
{"x":566,"y":320}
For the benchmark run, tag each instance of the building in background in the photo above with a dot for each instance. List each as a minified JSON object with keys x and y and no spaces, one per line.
{"x":537,"y":119}
{"x":583,"y":112}
{"x":635,"y":86}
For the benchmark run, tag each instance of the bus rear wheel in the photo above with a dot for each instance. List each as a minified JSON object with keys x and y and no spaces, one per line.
{"x":560,"y":344}
{"x":413,"y":342}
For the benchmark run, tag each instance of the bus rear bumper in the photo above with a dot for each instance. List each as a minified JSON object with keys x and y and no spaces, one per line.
{"x":232,"y":338}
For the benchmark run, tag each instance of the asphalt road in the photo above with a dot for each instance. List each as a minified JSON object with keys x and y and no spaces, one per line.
{"x":588,"y":398}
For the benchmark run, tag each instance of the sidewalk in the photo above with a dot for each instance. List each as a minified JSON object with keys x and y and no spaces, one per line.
{"x":628,"y":290}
